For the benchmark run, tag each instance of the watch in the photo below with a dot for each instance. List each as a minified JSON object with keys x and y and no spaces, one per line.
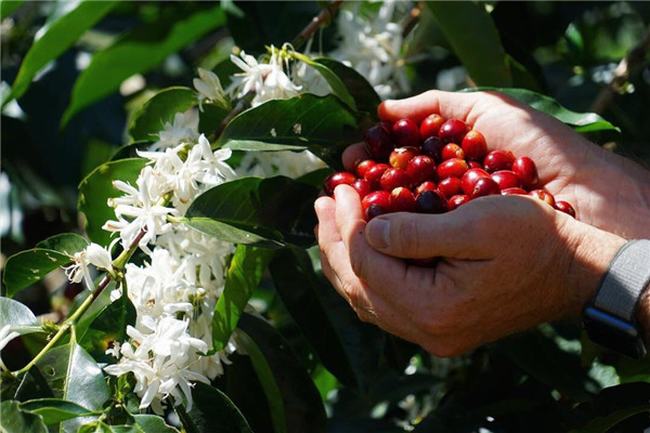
{"x":610,"y":318}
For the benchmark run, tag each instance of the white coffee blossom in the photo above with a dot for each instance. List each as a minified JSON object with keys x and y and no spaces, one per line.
{"x":209,"y":87}
{"x":93,"y":254}
{"x":182,"y":130}
{"x":286,"y":163}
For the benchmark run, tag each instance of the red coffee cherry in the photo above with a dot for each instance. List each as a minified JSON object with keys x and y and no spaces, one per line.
{"x":406,"y":133}
{"x":474,"y":164}
{"x":452,"y":168}
{"x":400,"y":156}
{"x":452,"y":150}
{"x":379,"y":142}
{"x":474,"y":145}
{"x":336,"y":179}
{"x":421,"y":168}
{"x":364,"y":166}
{"x":431,"y":202}
{"x":526,"y":171}
{"x":484,"y":186}
{"x":514,"y":191}
{"x":402,"y":200}
{"x":453,"y":131}
{"x":394,"y":177}
{"x":506,"y":179}
{"x":430,"y":126}
{"x":565,"y":206}
{"x":426,"y":186}
{"x":432,"y":147}
{"x":363,"y":187}
{"x":375,"y":203}
{"x":457,"y":200}
{"x":498,"y":160}
{"x":450,"y":187}
{"x":469,"y":179}
{"x":374,"y":173}
{"x":543,"y":195}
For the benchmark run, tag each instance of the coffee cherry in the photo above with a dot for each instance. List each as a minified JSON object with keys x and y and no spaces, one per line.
{"x":498,"y":160}
{"x":402,"y":200}
{"x":375,"y":203}
{"x":374,"y":173}
{"x":426,"y":186}
{"x":469,"y":179}
{"x":406,"y":133}
{"x":474,"y":164}
{"x":363,"y":187}
{"x":454,"y":167}
{"x":336,"y":179}
{"x":432,"y":147}
{"x":452,"y":150}
{"x":506,"y":179}
{"x":565,"y":206}
{"x":430,"y":126}
{"x":364,"y":166}
{"x":526,"y":171}
{"x":400,"y":157}
{"x":514,"y":191}
{"x":450,"y":186}
{"x":474,"y":145}
{"x":457,"y":200}
{"x":394,"y":177}
{"x":379,"y":142}
{"x":453,"y":131}
{"x":484,"y":186}
{"x":543,"y":195}
{"x":431,"y":202}
{"x":421,"y":168}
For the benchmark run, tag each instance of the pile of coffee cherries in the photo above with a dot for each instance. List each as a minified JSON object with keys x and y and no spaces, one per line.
{"x":434,"y":168}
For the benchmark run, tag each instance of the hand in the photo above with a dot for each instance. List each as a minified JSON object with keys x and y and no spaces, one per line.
{"x":507,"y":264}
{"x":607,"y":191}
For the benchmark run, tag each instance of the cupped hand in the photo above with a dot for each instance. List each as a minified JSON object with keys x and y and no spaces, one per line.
{"x":506,"y":264}
{"x":607,"y":191}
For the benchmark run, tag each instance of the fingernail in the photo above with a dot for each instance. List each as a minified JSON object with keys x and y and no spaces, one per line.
{"x":377,"y":232}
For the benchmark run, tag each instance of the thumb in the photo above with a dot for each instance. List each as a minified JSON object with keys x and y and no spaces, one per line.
{"x":447,"y":104}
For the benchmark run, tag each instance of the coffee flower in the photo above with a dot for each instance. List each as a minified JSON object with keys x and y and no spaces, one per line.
{"x":183,"y":129}
{"x":209,"y":87}
{"x":93,"y":254}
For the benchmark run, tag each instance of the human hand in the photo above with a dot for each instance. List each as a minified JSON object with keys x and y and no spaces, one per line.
{"x":506,"y":264}
{"x":607,"y":191}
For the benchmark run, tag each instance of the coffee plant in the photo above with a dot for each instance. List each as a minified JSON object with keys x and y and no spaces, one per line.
{"x":160,"y":164}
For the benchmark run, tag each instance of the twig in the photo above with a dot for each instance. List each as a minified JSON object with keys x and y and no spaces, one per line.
{"x":324,"y":17}
{"x":412,"y":19}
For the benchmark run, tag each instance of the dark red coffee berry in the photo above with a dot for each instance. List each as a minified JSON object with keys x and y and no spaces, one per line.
{"x":374,"y":173}
{"x":452,"y":168}
{"x":543,"y":195}
{"x":484,"y":186}
{"x":379,"y":142}
{"x":565,"y":206}
{"x":430,"y":126}
{"x":394,"y":177}
{"x":375,"y":203}
{"x":402,"y":200}
{"x":506,"y":179}
{"x":452,"y":150}
{"x":336,"y":179}
{"x":469,"y":179}
{"x":526,"y":171}
{"x":363,"y":187}
{"x":400,"y":156}
{"x":474,"y":164}
{"x":457,"y":200}
{"x":474,"y":145}
{"x":514,"y":191}
{"x":406,"y":133}
{"x":453,"y":131}
{"x":364,"y":166}
{"x":498,"y":160}
{"x":431,"y":202}
{"x":450,"y":186}
{"x":426,"y":186}
{"x":421,"y":168}
{"x":432,"y":147}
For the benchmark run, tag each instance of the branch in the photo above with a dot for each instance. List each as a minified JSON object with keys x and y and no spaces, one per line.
{"x":323,"y":18}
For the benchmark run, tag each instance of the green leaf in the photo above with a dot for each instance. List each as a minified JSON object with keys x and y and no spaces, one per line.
{"x":57,"y":37}
{"x":102,"y":427}
{"x":470,"y":31}
{"x":138,"y":52}
{"x":252,"y":210}
{"x":159,"y":109}
{"x":7,"y":7}
{"x":213,"y":410}
{"x":350,"y":349}
{"x":581,"y":122}
{"x":338,"y":87}
{"x":293,"y":399}
{"x":321,"y":124}
{"x":15,"y":420}
{"x":97,"y":188}
{"x":55,"y":410}
{"x":28,"y":267}
{"x":18,"y":316}
{"x":210,"y":118}
{"x":153,"y":424}
{"x":604,"y":423}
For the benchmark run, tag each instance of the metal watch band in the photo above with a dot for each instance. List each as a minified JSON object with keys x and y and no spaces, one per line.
{"x":625,"y":281}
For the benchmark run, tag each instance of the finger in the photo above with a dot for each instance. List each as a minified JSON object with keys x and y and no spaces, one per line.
{"x":447,"y":104}
{"x":354,"y":154}
{"x":326,"y":214}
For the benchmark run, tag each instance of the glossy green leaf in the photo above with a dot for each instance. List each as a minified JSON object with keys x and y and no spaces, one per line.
{"x":102,"y":427}
{"x":160,"y":109}
{"x":336,"y":84}
{"x":244,"y":275}
{"x":55,"y":38}
{"x":55,"y":410}
{"x":66,"y":243}
{"x":138,"y":52}
{"x":470,"y":31}
{"x":211,"y":116}
{"x":212,"y":410}
{"x":7,"y":7}
{"x":294,"y":401}
{"x":323,"y":125}
{"x":97,"y":188}
{"x":112,"y":321}
{"x":252,"y":210}
{"x":15,"y":420}
{"x":18,"y":316}
{"x":153,"y":424}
